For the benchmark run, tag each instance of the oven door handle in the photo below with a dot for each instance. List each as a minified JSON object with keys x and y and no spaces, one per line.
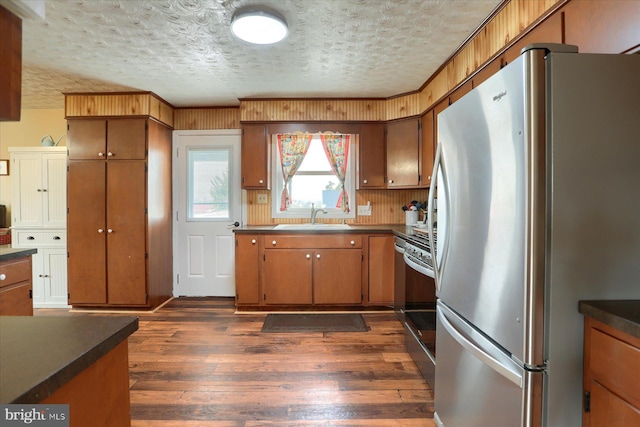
{"x":417,"y":267}
{"x":398,"y":249}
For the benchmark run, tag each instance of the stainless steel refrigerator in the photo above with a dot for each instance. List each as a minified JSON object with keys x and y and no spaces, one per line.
{"x":538,"y":206}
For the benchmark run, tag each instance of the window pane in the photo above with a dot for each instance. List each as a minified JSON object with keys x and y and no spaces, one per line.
{"x":321,"y":190}
{"x":208,"y":183}
{"x":316,"y":159}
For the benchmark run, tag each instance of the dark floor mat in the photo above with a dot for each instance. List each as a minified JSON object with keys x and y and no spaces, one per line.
{"x":314,"y":323}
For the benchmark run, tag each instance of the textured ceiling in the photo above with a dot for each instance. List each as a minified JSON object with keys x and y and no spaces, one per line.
{"x":183,"y":50}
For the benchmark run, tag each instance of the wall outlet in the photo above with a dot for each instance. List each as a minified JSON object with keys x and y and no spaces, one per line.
{"x":262,"y":199}
{"x":364,"y":210}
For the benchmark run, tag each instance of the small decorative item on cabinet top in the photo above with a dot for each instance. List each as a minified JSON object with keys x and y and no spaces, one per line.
{"x":47,"y":141}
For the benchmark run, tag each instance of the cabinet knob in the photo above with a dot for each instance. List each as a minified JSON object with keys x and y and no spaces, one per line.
{"x":109,"y":154}
{"x":39,"y":190}
{"x":261,"y":181}
{"x":109,"y":230}
{"x":318,"y":256}
{"x":56,"y":237}
{"x":353,"y":242}
{"x":3,"y":276}
{"x":253,"y":241}
{"x":100,"y":230}
{"x":100,"y":154}
{"x":273,"y":242}
{"x":308,"y":256}
{"x":31,"y":238}
{"x":390,"y":181}
{"x":44,"y":190}
{"x":429,"y":178}
{"x":364,"y":181}
{"x":43,"y":275}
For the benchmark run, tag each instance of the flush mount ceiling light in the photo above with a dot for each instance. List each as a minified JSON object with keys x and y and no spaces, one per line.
{"x":259,"y":27}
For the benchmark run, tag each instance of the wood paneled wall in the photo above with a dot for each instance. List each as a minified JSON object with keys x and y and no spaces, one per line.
{"x":386,"y":207}
{"x":118,"y":104}
{"x":207,"y":118}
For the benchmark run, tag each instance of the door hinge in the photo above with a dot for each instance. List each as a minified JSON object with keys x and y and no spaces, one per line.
{"x":264,"y":297}
{"x":146,"y":256}
{"x":146,"y":298}
{"x":30,"y":293}
{"x":177,"y":278}
{"x":587,"y":402}
{"x":264,"y":257}
{"x":146,"y":211}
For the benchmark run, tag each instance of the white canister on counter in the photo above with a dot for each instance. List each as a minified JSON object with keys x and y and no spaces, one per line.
{"x":411,"y":217}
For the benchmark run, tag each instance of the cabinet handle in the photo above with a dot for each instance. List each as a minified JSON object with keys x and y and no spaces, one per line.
{"x":3,"y":276}
{"x":39,"y":190}
{"x":56,"y":237}
{"x":390,"y":181}
{"x":429,"y":178}
{"x":317,"y":256}
{"x":253,"y":241}
{"x":31,"y":238}
{"x":353,"y":242}
{"x":273,"y":242}
{"x":260,"y":181}
{"x":364,"y":181}
{"x":44,"y":190}
{"x":100,"y":154}
{"x":308,"y":256}
{"x":43,"y":275}
{"x":100,"y":230}
{"x":109,"y":230}
{"x":110,"y":154}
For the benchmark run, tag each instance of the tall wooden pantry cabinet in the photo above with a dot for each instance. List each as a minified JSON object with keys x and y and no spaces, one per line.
{"x":119,"y":212}
{"x":39,"y":218}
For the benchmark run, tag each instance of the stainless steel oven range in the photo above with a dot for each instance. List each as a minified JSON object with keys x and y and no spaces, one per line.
{"x":417,"y":307}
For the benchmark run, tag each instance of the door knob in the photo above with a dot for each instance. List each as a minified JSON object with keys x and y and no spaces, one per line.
{"x":235,"y":224}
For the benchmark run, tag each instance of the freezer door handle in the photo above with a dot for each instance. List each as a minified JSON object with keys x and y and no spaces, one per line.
{"x":438,"y":249}
{"x":473,"y":342}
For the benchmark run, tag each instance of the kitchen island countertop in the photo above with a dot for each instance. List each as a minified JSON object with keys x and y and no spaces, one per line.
{"x":623,"y":315}
{"x":7,"y":254}
{"x":38,"y":355}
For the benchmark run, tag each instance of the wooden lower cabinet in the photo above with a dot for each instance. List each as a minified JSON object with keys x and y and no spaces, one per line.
{"x":288,"y":276}
{"x":16,"y":287}
{"x":611,"y":366}
{"x":247,"y":269}
{"x":381,"y":270}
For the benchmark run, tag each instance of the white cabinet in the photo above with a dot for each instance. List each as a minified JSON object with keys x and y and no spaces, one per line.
{"x":39,"y":218}
{"x":38,"y":178}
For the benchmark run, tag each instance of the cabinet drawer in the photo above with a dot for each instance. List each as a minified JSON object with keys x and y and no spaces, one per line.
{"x":310,"y":241}
{"x":15,"y":271}
{"x":615,"y":364}
{"x":28,"y":238}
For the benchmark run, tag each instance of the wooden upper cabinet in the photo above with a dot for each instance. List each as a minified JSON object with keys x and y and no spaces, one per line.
{"x":11,"y":60}
{"x":403,"y":154}
{"x":255,"y":157}
{"x":371,"y":152}
{"x":427,"y":148}
{"x":114,"y":139}
{"x":602,"y":26}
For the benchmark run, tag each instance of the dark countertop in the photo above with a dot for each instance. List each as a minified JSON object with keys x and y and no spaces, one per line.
{"x":12,"y":253}
{"x":623,"y":315}
{"x":397,"y":229}
{"x":40,"y":354}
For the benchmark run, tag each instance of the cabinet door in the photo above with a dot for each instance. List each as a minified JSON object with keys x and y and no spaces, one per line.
{"x":86,"y":139}
{"x":26,"y":209}
{"x":427,"y":150}
{"x":255,"y":157}
{"x":247,"y":269}
{"x":337,"y":276}
{"x":287,"y":276}
{"x":602,"y":26}
{"x":54,"y":184}
{"x":403,"y":154}
{"x":381,"y":269}
{"x":126,"y":232}
{"x":126,"y":139}
{"x":86,"y":232}
{"x":371,"y":171}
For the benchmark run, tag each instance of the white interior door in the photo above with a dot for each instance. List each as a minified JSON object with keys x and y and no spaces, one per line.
{"x":207,"y":202}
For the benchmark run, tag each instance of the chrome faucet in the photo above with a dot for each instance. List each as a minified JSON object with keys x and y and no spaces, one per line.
{"x":315,"y":211}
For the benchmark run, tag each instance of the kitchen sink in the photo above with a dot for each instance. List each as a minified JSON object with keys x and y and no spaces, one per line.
{"x":312,"y":227}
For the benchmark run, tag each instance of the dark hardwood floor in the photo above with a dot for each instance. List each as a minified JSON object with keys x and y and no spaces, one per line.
{"x":194,"y":362}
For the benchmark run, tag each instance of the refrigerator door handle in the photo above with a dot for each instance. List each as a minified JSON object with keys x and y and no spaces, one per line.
{"x":505,"y":367}
{"x":438,"y":252}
